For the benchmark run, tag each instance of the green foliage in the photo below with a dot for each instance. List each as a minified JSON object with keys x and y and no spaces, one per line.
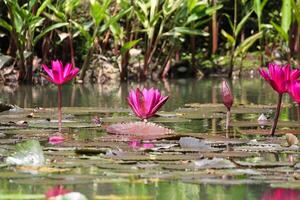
{"x":286,"y":13}
{"x":129,"y":45}
{"x":149,"y":25}
{"x":246,"y":44}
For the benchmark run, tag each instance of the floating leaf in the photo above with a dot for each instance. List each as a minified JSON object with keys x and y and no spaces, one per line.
{"x":34,"y":169}
{"x":264,"y":164}
{"x":190,"y":142}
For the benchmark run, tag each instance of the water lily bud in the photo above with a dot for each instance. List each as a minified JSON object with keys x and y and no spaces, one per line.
{"x":226,"y":93}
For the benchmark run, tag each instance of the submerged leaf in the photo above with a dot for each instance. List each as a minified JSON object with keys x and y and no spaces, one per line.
{"x":27,"y":153}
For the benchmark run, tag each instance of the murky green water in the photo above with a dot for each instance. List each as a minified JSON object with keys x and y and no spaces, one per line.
{"x":99,"y":183}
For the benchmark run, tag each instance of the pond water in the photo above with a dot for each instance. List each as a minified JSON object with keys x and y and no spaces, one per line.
{"x":113,"y":95}
{"x":98,"y":178}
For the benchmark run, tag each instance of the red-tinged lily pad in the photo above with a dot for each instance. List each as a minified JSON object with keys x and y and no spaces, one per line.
{"x":138,"y":129}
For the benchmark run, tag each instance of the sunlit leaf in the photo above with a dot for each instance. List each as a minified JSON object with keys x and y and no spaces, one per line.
{"x":129,"y":45}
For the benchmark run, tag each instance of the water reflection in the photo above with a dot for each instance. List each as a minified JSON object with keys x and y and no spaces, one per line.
{"x":281,"y":194}
{"x":121,"y":188}
{"x":249,"y":91}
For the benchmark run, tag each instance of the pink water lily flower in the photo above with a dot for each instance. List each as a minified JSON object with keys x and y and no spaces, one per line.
{"x":280,"y":77}
{"x":60,"y":74}
{"x":146,"y":103}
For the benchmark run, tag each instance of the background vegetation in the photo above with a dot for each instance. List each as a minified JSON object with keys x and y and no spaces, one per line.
{"x":142,"y":39}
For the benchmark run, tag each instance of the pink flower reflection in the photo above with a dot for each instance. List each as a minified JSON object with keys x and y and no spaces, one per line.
{"x":137,"y":144}
{"x":57,"y":139}
{"x":281,"y":194}
{"x":56,"y":191}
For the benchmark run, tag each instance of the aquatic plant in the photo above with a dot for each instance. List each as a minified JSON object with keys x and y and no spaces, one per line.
{"x":227,"y":98}
{"x":59,"y":75}
{"x":146,"y":103}
{"x":279,"y":77}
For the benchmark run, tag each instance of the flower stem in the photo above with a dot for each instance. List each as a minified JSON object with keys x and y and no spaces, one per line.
{"x":227,"y":119}
{"x":276,"y":114}
{"x":59,"y":109}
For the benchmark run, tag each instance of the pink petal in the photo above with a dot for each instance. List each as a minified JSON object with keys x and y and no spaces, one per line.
{"x":287,"y":71}
{"x":264,"y":74}
{"x":57,"y":69}
{"x":71,"y":75}
{"x":294,"y":91}
{"x":134,"y":109}
{"x":159,"y":105}
{"x":150,"y":98}
{"x":134,"y":103}
{"x":48,"y":71}
{"x":67,"y":70}
{"x":295,"y":74}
